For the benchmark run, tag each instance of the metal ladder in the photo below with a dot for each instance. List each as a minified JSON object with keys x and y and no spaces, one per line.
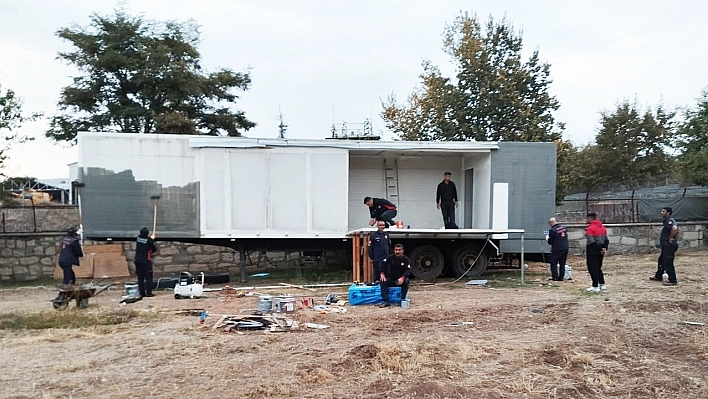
{"x":391,"y":177}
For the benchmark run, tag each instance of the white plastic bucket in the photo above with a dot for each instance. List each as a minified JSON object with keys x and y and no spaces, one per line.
{"x":568,"y":271}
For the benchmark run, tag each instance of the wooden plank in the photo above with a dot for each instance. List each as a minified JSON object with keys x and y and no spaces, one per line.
{"x":355,"y":278}
{"x":298,"y":286}
{"x":110,"y":264}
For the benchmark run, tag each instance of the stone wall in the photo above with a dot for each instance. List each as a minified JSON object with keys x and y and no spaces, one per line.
{"x":638,"y":237}
{"x":33,"y":256}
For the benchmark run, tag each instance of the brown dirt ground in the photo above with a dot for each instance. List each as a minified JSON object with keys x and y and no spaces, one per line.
{"x":535,"y":341}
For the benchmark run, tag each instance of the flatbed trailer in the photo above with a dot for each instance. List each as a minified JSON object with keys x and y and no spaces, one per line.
{"x":467,"y":251}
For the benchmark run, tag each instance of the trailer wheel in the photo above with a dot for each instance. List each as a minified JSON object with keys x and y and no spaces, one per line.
{"x":464,"y":261}
{"x":427,"y":262}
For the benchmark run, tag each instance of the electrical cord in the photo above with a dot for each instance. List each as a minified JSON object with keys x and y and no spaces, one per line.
{"x":473,"y":263}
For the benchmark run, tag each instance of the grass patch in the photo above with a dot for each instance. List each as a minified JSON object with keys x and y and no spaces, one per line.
{"x":512,"y":278}
{"x":65,"y":319}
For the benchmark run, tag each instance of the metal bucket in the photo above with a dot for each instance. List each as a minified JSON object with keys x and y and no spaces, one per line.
{"x":265,"y":304}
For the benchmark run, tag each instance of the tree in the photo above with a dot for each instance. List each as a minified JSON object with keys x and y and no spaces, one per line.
{"x":693,"y":135}
{"x":144,"y":76}
{"x":634,"y":147}
{"x":494,"y":95}
{"x":11,"y":118}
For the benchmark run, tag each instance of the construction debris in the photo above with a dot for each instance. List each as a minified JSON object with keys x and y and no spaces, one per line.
{"x":235,"y":323}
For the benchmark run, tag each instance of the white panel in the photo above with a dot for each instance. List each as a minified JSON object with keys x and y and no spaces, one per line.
{"x":482,"y":191}
{"x":249,"y":189}
{"x":288,"y":188}
{"x":164,"y":158}
{"x":366,"y":179}
{"x":418,"y":178}
{"x":500,"y":213}
{"x":329,"y":191}
{"x":213,"y":192}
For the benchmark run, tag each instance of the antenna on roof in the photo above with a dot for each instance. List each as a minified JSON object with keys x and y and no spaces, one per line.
{"x":282,"y":127}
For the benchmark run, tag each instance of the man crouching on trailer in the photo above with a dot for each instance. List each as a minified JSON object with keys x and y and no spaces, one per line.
{"x":396,"y":272}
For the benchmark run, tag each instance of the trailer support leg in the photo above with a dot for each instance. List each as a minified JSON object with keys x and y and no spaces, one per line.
{"x":522,"y":259}
{"x":242,"y":256}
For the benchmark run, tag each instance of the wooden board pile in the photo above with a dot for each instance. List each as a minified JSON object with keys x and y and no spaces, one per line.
{"x":272,"y":323}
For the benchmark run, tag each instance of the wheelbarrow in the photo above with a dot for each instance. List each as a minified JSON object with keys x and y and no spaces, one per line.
{"x":80,"y":294}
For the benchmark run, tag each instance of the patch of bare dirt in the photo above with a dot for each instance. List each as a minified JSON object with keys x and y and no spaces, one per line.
{"x":539,"y":340}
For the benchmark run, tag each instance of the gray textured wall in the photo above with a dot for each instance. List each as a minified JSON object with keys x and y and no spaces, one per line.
{"x":530,"y":170}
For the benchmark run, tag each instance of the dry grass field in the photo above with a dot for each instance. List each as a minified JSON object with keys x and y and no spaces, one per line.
{"x":534,"y":341}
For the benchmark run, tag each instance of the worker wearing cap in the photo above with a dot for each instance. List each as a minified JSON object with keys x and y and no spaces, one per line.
{"x":396,"y":273}
{"x":381,"y":209}
{"x":144,"y":250}
{"x":69,"y":256}
{"x":596,"y":248}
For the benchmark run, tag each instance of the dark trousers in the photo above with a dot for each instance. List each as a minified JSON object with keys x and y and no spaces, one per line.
{"x":391,"y":282}
{"x":388,"y":217}
{"x":448,"y":212}
{"x":69,"y":275}
{"x":666,"y":261}
{"x":144,"y":272}
{"x":595,"y":269}
{"x":558,"y":259}
{"x":378,"y":268}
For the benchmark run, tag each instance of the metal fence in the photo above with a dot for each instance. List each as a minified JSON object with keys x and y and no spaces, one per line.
{"x":38,"y":219}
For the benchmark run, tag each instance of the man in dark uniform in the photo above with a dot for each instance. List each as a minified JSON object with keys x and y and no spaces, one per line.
{"x":669,"y":246}
{"x":69,"y":256}
{"x":557,"y":238}
{"x":379,"y":246}
{"x":396,"y":272}
{"x":144,"y":250}
{"x":381,"y":209}
{"x":446,"y":199}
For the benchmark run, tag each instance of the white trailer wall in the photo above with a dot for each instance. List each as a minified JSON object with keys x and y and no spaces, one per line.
{"x":418,"y":178}
{"x":274,"y":192}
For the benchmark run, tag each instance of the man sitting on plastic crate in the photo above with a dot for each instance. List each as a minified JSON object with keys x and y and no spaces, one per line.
{"x":396,"y":271}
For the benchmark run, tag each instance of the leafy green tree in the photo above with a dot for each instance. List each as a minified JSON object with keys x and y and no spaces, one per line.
{"x":11,"y":118}
{"x":693,"y":135}
{"x":144,"y":76}
{"x":634,"y":146}
{"x":495,"y":95}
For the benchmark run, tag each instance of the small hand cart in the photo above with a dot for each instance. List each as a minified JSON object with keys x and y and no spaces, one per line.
{"x":80,"y":294}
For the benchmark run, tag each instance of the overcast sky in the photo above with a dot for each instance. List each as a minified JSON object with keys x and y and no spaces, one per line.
{"x":321,"y":62}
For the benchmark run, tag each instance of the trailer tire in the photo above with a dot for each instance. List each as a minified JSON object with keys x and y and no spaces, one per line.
{"x":464,"y":258}
{"x":427,"y":262}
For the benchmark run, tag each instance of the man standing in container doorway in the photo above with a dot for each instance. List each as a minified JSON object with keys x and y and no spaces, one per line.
{"x":669,"y":246}
{"x":144,"y":250}
{"x":446,"y":199}
{"x":396,"y":273}
{"x":597,"y":244}
{"x":557,"y":238}
{"x":379,"y":246}
{"x":381,"y":209}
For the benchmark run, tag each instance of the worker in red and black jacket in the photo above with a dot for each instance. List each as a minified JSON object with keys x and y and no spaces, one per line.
{"x":396,"y":273}
{"x":596,"y":248}
{"x":381,"y":209}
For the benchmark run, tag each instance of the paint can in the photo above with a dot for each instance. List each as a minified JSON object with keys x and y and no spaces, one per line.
{"x":265,"y":304}
{"x":287,"y":304}
{"x":284,"y":304}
